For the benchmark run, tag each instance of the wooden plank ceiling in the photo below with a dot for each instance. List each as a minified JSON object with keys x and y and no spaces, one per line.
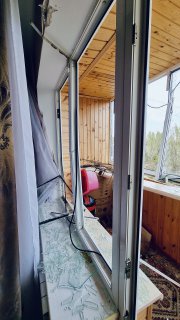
{"x":97,"y":65}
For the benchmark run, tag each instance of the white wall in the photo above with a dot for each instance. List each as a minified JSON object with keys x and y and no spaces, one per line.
{"x":46,"y":100}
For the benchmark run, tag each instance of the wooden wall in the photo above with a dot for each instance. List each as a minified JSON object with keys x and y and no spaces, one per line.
{"x":94,"y":120}
{"x":65,"y":138}
{"x":161,"y":217}
{"x":94,"y":131}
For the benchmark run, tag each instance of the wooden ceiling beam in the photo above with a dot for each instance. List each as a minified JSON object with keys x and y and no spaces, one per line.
{"x":98,"y":57}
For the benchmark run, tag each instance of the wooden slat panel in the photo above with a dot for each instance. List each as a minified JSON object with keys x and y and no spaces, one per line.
{"x":86,"y":60}
{"x":161,"y":55}
{"x":106,"y":48}
{"x":157,"y":67}
{"x":100,"y":130}
{"x":65,"y":141}
{"x":164,"y":53}
{"x":92,"y":108}
{"x":104,"y":133}
{"x":160,"y":62}
{"x":88,"y":110}
{"x":107,"y":124}
{"x":161,"y":218}
{"x":103,"y":70}
{"x":113,"y":10}
{"x":102,"y":76}
{"x":104,"y":34}
{"x":96,"y":155}
{"x":91,"y":53}
{"x":108,"y":67}
{"x":164,"y":47}
{"x":142,"y":315}
{"x":100,"y":92}
{"x":160,"y":21}
{"x":85,"y":134}
{"x":110,"y":22}
{"x":97,"y":45}
{"x":81,"y":134}
{"x":91,"y":80}
{"x":93,"y":132}
{"x":95,"y":129}
{"x":167,"y":9}
{"x":108,"y":62}
{"x":171,"y":227}
{"x":163,"y":36}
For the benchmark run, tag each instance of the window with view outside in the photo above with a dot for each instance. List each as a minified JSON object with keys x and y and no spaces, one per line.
{"x":156,"y":111}
{"x":172,"y":158}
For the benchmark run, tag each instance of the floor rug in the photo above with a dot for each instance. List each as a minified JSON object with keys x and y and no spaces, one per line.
{"x":169,"y":307}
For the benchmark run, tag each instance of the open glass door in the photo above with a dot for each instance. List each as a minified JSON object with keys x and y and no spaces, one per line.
{"x":132,"y":30}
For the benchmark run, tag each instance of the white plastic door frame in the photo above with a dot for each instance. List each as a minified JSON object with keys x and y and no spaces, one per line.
{"x":132,"y":35}
{"x":74,"y":143}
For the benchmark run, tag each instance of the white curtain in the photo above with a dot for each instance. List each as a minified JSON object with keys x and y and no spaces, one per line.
{"x":26,"y":191}
{"x":46,"y":168}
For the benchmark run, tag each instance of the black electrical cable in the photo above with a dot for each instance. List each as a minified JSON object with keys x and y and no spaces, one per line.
{"x":53,"y":219}
{"x":43,"y":184}
{"x":73,"y":214}
{"x":70,"y":234}
{"x":59,"y":176}
{"x":66,"y":184}
{"x":65,"y":200}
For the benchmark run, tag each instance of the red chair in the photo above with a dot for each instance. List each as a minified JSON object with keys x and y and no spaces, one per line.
{"x":89,"y":183}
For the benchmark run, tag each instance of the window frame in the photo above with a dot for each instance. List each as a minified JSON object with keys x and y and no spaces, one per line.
{"x":149,"y":171}
{"x":158,"y":173}
{"x":131,"y":162}
{"x":166,"y":129}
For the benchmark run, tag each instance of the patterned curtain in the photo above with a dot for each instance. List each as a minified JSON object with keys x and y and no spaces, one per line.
{"x":10,"y":301}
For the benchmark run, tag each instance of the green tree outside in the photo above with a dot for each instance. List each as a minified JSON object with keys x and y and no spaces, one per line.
{"x":152,"y":147}
{"x":172,"y":159}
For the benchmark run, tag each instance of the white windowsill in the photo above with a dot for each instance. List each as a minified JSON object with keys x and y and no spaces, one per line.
{"x":162,"y":189}
{"x":147,"y":291}
{"x":55,"y":240}
{"x":74,"y":289}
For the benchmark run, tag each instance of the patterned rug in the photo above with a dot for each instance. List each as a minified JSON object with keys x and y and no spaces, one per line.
{"x":160,"y":261}
{"x":169,"y":307}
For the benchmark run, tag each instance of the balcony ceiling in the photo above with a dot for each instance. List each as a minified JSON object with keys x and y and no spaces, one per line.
{"x":97,"y":65}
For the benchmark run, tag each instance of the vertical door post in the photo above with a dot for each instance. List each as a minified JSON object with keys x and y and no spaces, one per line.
{"x":74,"y":142}
{"x":132,"y":45}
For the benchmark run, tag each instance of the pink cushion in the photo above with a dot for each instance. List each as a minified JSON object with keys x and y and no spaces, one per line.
{"x":89,"y":181}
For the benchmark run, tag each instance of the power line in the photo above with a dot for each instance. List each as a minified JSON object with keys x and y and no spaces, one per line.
{"x":163,"y":105}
